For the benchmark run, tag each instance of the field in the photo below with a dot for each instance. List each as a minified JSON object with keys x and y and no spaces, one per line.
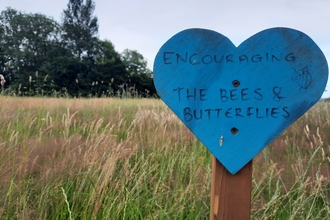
{"x":133,"y":159}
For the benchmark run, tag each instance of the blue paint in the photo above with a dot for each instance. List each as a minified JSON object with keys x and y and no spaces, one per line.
{"x":236,"y":100}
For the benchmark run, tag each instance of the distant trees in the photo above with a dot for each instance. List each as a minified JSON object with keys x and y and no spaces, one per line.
{"x":80,"y":28}
{"x":111,"y":72}
{"x":139,"y":74}
{"x":39,"y":56}
{"x":26,"y":42}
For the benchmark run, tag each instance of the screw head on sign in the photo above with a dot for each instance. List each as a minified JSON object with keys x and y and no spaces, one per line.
{"x":234,"y":131}
{"x":236,"y":83}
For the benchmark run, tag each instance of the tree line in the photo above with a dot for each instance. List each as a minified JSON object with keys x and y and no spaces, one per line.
{"x":40,"y":56}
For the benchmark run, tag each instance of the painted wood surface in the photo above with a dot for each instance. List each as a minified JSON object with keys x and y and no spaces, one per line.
{"x":236,"y":100}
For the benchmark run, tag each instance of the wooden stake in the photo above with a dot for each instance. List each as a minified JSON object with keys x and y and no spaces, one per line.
{"x":230,"y":194}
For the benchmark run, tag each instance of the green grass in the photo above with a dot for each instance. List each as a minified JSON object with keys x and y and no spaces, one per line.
{"x":133,"y":159}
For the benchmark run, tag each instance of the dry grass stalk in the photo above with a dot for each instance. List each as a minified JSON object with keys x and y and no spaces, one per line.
{"x":114,"y":158}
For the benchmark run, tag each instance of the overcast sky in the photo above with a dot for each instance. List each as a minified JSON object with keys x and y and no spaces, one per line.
{"x":145,"y":25}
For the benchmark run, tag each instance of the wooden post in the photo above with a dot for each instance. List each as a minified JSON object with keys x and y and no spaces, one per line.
{"x":230,"y":194}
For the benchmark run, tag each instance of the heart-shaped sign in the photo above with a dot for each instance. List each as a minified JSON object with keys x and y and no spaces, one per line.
{"x":236,"y":100}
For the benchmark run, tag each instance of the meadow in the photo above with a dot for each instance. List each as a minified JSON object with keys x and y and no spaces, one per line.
{"x":112,"y":158}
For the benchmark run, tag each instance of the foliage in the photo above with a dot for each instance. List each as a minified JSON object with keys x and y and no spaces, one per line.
{"x":39,"y":56}
{"x":110,"y":69}
{"x":80,"y":28}
{"x":135,"y":63}
{"x":26,"y":43}
{"x":139,"y":75}
{"x":133,"y":159}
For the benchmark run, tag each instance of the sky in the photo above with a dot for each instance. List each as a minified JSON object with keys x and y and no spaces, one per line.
{"x":145,"y":25}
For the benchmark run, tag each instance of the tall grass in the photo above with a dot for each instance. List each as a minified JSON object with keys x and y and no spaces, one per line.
{"x":133,"y":159}
{"x":41,"y":86}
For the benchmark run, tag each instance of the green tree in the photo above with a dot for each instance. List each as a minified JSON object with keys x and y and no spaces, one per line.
{"x":140,"y":77}
{"x":135,"y":63}
{"x":62,"y":68}
{"x":80,"y":29}
{"x":111,"y":72}
{"x":24,"y":45}
{"x":41,"y":56}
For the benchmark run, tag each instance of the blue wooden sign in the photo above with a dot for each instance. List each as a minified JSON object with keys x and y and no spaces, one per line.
{"x":236,"y":100}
